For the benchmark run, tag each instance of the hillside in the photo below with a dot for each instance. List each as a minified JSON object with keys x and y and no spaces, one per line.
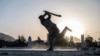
{"x":6,"y":37}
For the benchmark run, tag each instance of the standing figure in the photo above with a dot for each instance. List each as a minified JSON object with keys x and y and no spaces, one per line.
{"x":29,"y":41}
{"x":53,"y":31}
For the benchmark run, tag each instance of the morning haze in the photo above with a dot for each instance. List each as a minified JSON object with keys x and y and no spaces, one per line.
{"x":20,"y":17}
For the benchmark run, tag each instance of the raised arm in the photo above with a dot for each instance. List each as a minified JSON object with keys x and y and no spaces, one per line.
{"x":42,"y":17}
{"x":48,"y":14}
{"x":44,"y":14}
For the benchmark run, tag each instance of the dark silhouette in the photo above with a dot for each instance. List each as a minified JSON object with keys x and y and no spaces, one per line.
{"x":51,"y":27}
{"x":64,"y":31}
{"x":38,"y":41}
{"x":53,"y":32}
{"x":89,"y":41}
{"x":61,"y":41}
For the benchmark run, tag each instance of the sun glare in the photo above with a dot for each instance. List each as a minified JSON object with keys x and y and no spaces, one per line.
{"x":76,"y":27}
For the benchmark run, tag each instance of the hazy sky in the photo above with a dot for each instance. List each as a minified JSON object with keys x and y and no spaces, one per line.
{"x":20,"y":17}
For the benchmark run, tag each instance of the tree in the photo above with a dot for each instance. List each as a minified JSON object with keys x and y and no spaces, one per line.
{"x":20,"y":42}
{"x":89,"y":41}
{"x":22,"y":38}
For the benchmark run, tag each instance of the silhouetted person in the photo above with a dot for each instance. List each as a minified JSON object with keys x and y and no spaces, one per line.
{"x":53,"y":31}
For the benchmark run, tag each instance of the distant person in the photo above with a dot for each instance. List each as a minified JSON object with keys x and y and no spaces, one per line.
{"x":53,"y":31}
{"x":29,"y":41}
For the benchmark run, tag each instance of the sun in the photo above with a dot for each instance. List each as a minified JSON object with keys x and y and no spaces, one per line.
{"x":76,"y":27}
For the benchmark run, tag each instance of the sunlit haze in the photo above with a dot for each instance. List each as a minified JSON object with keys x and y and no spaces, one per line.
{"x":76,"y":27}
{"x":20,"y":17}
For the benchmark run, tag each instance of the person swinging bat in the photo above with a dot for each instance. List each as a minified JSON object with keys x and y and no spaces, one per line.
{"x":53,"y":31}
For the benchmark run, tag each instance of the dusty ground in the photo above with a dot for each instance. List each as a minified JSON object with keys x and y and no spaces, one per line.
{"x":57,"y":52}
